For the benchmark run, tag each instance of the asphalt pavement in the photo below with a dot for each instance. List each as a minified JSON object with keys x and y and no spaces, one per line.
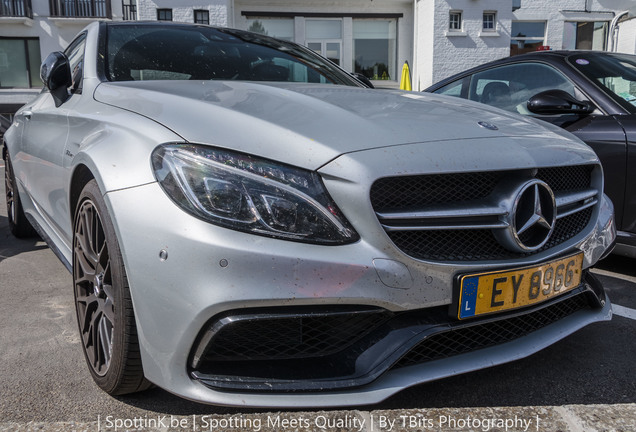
{"x":584,"y":383}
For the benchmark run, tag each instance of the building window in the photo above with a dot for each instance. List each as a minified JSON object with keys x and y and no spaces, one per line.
{"x":129,"y":10}
{"x":16,"y":8}
{"x":455,"y":21}
{"x":20,"y":63}
{"x":202,"y":16}
{"x":526,"y":36}
{"x":489,"y":21}
{"x":375,"y":48}
{"x":590,"y":35}
{"x":164,"y":14}
{"x":281,"y":28}
{"x":324,"y":36}
{"x":80,"y":8}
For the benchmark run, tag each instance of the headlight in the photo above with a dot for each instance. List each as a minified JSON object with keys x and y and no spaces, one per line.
{"x":250,"y":194}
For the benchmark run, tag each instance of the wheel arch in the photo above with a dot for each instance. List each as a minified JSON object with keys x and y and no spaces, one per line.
{"x":81,"y":176}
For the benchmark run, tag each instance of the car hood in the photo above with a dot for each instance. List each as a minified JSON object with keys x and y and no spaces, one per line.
{"x":308,"y":125}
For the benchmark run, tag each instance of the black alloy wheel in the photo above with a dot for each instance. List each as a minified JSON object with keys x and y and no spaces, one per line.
{"x":104,"y":309}
{"x":93,"y":288}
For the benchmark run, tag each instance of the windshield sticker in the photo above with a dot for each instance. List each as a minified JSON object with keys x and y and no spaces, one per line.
{"x":582,"y":62}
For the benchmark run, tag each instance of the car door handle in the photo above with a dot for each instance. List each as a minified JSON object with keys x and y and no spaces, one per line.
{"x":27,"y":114}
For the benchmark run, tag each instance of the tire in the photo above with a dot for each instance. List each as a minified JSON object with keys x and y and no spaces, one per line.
{"x":18,"y":223}
{"x":105,"y":315}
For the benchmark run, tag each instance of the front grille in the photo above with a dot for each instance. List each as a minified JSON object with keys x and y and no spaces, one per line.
{"x":467,"y":339}
{"x":458,"y":235}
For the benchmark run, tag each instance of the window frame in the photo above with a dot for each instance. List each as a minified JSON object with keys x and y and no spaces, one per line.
{"x":459,"y":21}
{"x":532,"y":39}
{"x":576,"y":24}
{"x":30,"y":78}
{"x":392,"y":66}
{"x":164,"y":11}
{"x":473,"y":83}
{"x":493,"y":15}
{"x":201,"y":12}
{"x":79,"y":41}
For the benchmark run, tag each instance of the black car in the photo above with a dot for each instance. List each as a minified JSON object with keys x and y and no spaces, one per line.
{"x":589,"y":93}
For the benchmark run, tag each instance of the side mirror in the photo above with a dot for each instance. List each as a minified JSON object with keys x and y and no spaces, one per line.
{"x":558,"y":102}
{"x":363,"y":79}
{"x":55,"y":73}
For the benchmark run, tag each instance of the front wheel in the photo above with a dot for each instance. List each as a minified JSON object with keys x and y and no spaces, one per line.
{"x":102,"y":299}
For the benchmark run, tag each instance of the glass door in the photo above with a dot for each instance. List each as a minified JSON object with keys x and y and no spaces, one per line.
{"x":329,"y":49}
{"x":324,"y":36}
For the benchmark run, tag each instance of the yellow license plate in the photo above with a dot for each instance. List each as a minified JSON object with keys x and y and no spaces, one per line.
{"x":487,"y":293}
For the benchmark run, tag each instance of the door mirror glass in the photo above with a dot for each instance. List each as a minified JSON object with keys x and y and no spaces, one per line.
{"x":558,"y":102}
{"x":56,"y":76}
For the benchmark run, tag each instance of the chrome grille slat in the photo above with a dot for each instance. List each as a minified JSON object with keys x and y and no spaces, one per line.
{"x":572,"y":197}
{"x":468,"y":216}
{"x":576,"y":209}
{"x":571,"y":202}
{"x":390,"y":228}
{"x":445,"y":212}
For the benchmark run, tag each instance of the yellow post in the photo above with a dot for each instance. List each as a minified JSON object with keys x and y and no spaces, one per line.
{"x":405,"y":82}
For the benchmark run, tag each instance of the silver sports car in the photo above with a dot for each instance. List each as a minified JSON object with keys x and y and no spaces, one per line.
{"x":247,"y":224}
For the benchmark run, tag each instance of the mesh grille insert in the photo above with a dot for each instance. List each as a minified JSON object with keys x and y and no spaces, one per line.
{"x":413,"y":191}
{"x":567,"y":178}
{"x":466,"y":339}
{"x":291,"y":337}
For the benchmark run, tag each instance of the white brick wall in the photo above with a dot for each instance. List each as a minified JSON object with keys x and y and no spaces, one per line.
{"x":455,"y":54}
{"x":183,"y":11}
{"x":441,"y":53}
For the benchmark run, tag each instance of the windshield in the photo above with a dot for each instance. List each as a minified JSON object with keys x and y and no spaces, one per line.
{"x":613,"y":73}
{"x":179,"y":52}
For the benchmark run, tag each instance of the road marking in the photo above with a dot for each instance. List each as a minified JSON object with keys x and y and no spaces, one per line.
{"x":614,"y":275}
{"x":624,"y":311}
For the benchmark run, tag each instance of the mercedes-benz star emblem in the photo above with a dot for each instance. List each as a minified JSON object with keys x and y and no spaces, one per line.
{"x":531,"y":219}
{"x":487,"y":125}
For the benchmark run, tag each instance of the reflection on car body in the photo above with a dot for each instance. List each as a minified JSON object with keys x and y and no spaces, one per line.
{"x":246,"y":224}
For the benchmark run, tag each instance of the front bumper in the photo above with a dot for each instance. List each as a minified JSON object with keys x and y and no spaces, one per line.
{"x":213,"y":272}
{"x":296,"y":350}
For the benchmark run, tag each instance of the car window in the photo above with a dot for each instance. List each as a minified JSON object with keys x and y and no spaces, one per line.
{"x":509,"y":87}
{"x":75,"y":55}
{"x":456,"y":88}
{"x":148,"y":52}
{"x":615,"y":74}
